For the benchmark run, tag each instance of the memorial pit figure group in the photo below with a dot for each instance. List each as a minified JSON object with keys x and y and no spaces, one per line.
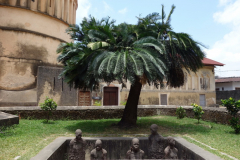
{"x":156,"y":150}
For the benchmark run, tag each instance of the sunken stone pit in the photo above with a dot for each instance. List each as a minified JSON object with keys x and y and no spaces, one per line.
{"x":117,"y":148}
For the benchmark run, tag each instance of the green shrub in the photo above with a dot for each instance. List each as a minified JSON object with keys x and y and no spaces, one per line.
{"x":233,"y":107}
{"x":97,"y":103}
{"x":234,"y":122}
{"x":49,"y":105}
{"x":180,"y":112}
{"x":198,"y":112}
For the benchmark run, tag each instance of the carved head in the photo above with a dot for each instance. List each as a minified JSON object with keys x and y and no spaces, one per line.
{"x":78,"y":134}
{"x":135,"y":144}
{"x":98,"y":145}
{"x":171,"y":142}
{"x":154,"y":129}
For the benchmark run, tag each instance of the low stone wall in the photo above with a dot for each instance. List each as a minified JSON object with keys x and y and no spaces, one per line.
{"x":117,"y":148}
{"x":219,"y":115}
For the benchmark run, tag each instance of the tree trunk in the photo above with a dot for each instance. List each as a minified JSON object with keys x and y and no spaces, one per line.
{"x":129,"y":117}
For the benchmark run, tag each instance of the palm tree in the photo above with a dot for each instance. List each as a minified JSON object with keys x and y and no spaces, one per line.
{"x":148,"y":52}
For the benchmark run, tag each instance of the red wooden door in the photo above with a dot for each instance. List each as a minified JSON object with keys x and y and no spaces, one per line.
{"x":110,"y":96}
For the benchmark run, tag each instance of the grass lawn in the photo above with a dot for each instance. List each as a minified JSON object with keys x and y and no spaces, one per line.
{"x":30,"y":136}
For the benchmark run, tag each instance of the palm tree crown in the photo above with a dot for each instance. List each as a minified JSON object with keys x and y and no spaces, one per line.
{"x":149,"y":50}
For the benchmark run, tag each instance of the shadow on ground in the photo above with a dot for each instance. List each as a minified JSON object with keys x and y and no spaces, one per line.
{"x":143,"y":127}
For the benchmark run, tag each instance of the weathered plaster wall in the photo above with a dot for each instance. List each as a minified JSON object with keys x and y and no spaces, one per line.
{"x":18,"y":18}
{"x":185,"y":95}
{"x":21,"y":57}
{"x":149,"y":95}
{"x":13,"y":98}
{"x":149,"y":98}
{"x":64,"y":10}
{"x":174,"y":97}
{"x":181,"y":98}
{"x":49,"y":85}
{"x":30,"y":33}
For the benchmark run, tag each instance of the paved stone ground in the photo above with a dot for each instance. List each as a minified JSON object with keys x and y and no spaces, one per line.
{"x":8,"y":119}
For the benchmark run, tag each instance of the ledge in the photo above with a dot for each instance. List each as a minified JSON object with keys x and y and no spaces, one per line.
{"x":61,"y":108}
{"x":8,"y":119}
{"x":30,"y":31}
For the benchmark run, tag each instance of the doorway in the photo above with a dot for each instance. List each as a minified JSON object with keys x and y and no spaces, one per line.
{"x":163,"y":98}
{"x":202,"y":100}
{"x":84,"y":98}
{"x":110,"y":96}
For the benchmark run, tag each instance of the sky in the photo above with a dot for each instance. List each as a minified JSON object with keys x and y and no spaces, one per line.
{"x":214,"y":23}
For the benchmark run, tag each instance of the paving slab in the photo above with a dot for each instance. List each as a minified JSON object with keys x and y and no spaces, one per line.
{"x":8,"y":119}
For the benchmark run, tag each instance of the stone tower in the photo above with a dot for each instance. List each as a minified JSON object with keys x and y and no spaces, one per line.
{"x":30,"y":32}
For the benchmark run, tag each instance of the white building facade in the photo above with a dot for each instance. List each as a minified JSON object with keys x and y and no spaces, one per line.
{"x":227,"y":84}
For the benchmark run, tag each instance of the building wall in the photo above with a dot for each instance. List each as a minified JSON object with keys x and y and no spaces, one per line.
{"x":196,"y":84}
{"x":236,"y":85}
{"x":173,"y":97}
{"x":228,"y":86}
{"x":30,"y":33}
{"x":150,"y":95}
{"x":49,"y":85}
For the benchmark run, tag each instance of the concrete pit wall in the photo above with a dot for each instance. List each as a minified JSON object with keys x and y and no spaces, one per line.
{"x":117,"y":148}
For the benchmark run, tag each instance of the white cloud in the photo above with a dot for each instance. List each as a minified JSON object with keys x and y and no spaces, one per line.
{"x":123,"y":11}
{"x":83,"y":10}
{"x":231,"y":14}
{"x":227,"y":49}
{"x":224,"y":2}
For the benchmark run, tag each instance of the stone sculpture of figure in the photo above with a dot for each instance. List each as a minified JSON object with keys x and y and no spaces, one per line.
{"x":155,"y":143}
{"x":98,"y":153}
{"x":170,"y":151}
{"x":77,"y":147}
{"x":135,"y":152}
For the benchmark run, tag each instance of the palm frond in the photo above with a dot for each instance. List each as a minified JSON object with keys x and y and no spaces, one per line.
{"x":170,"y":14}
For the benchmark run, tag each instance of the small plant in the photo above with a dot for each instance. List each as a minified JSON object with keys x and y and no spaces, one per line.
{"x":49,"y":105}
{"x":198,"y":112}
{"x":233,"y":107}
{"x":124,"y":103}
{"x":180,"y":112}
{"x":234,"y":122}
{"x":97,"y":103}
